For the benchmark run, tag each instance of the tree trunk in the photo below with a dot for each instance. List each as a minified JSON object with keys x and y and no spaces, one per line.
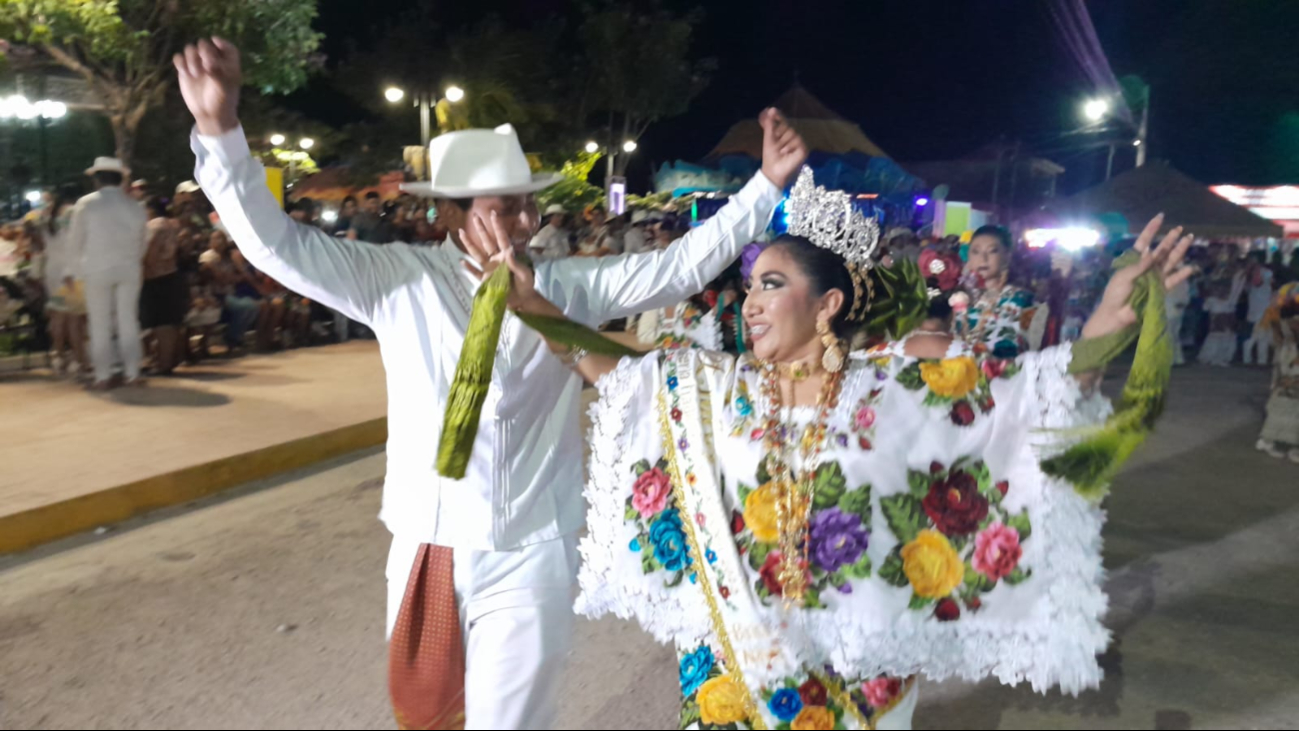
{"x":126,"y":125}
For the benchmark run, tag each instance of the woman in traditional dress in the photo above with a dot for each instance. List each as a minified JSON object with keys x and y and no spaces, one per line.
{"x":993,"y":320}
{"x":812,"y":528}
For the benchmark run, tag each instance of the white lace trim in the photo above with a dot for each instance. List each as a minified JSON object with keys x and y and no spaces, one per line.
{"x":610,"y":577}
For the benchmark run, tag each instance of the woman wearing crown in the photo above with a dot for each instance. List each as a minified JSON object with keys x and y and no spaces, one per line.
{"x":812,"y":528}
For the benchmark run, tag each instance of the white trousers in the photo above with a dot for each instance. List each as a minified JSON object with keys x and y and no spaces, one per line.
{"x":1219,"y":348}
{"x":1175,"y":337}
{"x":516,"y":612}
{"x":1260,"y":339}
{"x":113,"y":298}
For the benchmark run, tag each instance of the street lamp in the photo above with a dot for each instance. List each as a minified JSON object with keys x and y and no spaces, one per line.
{"x":629,"y":146}
{"x":592,"y":147}
{"x":1096,"y":109}
{"x":43,"y":112}
{"x":277,"y":140}
{"x":394,"y":95}
{"x":306,"y":143}
{"x":455,"y":94}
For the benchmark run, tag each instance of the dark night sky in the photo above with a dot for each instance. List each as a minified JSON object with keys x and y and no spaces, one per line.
{"x":930,"y":79}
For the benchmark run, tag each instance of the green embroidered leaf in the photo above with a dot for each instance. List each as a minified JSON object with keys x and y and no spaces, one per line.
{"x":905,"y":516}
{"x":647,"y":562}
{"x":828,"y":486}
{"x":758,"y":554}
{"x":641,"y":467}
{"x":763,"y":475}
{"x":838,"y":577}
{"x":983,"y":475}
{"x":1021,"y":523}
{"x":919,"y":482}
{"x":1018,"y":576}
{"x":910,"y":377}
{"x":632,"y":513}
{"x":791,"y":683}
{"x":891,"y":572}
{"x":812,"y":599}
{"x":783,"y":727}
{"x":857,"y":502}
{"x":933,"y":399}
{"x":919,"y":602}
{"x":690,"y":714}
{"x":742,"y":490}
{"x":861,"y":569}
{"x":977,"y":582}
{"x":676,"y":580}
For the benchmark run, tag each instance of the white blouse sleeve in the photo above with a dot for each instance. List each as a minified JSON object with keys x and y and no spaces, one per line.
{"x":627,"y":492}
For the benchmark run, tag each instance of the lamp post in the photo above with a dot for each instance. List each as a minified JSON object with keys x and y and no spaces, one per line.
{"x":424,"y":101}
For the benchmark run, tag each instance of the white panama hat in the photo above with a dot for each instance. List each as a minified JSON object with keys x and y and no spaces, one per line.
{"x":479,"y":162}
{"x":554,"y":209}
{"x":107,"y":165}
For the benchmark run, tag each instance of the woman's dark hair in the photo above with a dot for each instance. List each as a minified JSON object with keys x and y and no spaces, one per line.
{"x":1000,"y":233}
{"x":826,"y":270}
{"x":940,"y":306}
{"x":349,"y":199}
{"x":63,"y":196}
{"x":157,"y":206}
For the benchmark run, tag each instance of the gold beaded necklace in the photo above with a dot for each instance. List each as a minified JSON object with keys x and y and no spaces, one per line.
{"x":794,"y":495}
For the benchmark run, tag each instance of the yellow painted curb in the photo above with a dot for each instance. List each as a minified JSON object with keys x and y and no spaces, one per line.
{"x":31,"y":528}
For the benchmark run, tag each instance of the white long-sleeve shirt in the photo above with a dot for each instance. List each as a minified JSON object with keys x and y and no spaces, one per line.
{"x":523,"y":484}
{"x":107,"y":234}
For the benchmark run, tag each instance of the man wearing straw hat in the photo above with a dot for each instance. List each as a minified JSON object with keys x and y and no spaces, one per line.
{"x":481,"y":570}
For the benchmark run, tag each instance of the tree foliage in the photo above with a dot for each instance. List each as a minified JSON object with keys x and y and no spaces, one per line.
{"x":123,"y":48}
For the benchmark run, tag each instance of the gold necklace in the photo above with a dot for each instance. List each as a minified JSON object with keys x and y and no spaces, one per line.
{"x":794,"y":495}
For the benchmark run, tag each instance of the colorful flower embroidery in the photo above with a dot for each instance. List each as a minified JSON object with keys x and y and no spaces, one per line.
{"x":863,"y":419}
{"x":838,"y":535}
{"x":955,"y":541}
{"x":957,"y":384}
{"x":695,"y":668}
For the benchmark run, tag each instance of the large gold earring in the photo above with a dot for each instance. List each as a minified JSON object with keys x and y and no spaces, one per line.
{"x":833,"y":359}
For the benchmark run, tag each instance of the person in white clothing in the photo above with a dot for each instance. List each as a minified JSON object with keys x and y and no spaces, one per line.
{"x":1260,"y":298}
{"x":551,"y":242}
{"x":501,"y":543}
{"x":106,"y":243}
{"x":1175,"y":303}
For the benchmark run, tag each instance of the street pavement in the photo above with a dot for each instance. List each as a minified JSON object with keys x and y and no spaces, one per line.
{"x":264,"y":608}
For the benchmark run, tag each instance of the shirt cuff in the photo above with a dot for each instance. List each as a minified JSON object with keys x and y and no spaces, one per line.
{"x":227,"y":148}
{"x":763,"y":189}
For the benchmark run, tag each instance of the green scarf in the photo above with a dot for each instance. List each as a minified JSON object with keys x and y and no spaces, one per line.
{"x":900,"y":304}
{"x":1091,"y":464}
{"x":478,"y":357}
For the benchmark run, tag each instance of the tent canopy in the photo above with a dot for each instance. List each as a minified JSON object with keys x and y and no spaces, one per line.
{"x":822,"y":129}
{"x":1142,"y":193}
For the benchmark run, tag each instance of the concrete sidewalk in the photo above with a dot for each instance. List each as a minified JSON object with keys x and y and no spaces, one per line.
{"x":73,"y":460}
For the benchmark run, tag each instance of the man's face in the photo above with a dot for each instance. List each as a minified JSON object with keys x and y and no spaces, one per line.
{"x":298,"y":215}
{"x":372,"y":205}
{"x":517,"y":214}
{"x":349,"y":209}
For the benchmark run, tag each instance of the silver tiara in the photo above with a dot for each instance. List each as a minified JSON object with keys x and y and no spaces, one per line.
{"x":829,"y":219}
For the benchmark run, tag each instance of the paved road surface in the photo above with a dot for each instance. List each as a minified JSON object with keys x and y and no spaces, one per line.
{"x":265,"y":609}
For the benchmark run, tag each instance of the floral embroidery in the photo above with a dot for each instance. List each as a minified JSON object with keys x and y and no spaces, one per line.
{"x":804,"y":702}
{"x":955,"y":540}
{"x":838,"y":535}
{"x":710,"y":698}
{"x":695,"y":669}
{"x":959,"y":384}
{"x":863,"y":419}
{"x":661,"y":539}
